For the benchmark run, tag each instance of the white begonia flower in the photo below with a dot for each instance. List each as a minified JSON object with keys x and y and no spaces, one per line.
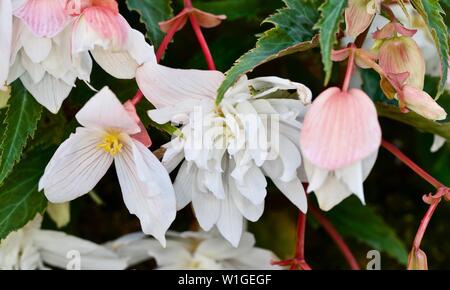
{"x":195,"y":251}
{"x":107,"y":136}
{"x":228,"y":149}
{"x":32,"y":248}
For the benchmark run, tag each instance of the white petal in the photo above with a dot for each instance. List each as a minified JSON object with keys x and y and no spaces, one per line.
{"x":119,"y":64}
{"x":149,"y":200}
{"x":352,"y":177}
{"x":207,"y":209}
{"x":268,"y":85}
{"x":49,"y":92}
{"x":247,"y":208}
{"x":255,"y":259}
{"x":438,"y":142}
{"x":15,"y":71}
{"x":165,"y":86}
{"x":173,"y":155}
{"x":293,"y":189}
{"x":5,"y":39}
{"x":56,"y":249}
{"x":138,"y":48}
{"x":36,"y":48}
{"x":254,"y":185}
{"x":184,"y":184}
{"x":230,"y":223}
{"x":331,"y":192}
{"x":220,"y":249}
{"x":35,"y":70}
{"x":174,"y":254}
{"x":104,"y":111}
{"x":291,"y":158}
{"x":76,"y":167}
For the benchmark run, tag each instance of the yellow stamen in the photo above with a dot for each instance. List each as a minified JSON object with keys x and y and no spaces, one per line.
{"x":111,"y":144}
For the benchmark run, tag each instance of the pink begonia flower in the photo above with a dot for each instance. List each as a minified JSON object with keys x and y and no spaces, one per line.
{"x":115,"y":46}
{"x":205,"y":19}
{"x":359,"y":15}
{"x":339,"y":140}
{"x":53,"y":38}
{"x":224,"y":159}
{"x":106,"y":136}
{"x":5,"y":40}
{"x":41,"y":55}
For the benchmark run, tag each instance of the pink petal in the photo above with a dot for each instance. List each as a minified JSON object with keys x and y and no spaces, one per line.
{"x":208,"y":20}
{"x":357,"y":17}
{"x":166,"y":25}
{"x":107,"y":23}
{"x":340,"y":128}
{"x":142,"y":136}
{"x":423,"y":104}
{"x":45,"y":18}
{"x":390,"y":29}
{"x":164,"y":86}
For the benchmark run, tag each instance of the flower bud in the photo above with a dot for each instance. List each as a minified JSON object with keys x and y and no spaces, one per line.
{"x":359,"y":15}
{"x":423,"y":104}
{"x":417,"y":260}
{"x":402,"y":54}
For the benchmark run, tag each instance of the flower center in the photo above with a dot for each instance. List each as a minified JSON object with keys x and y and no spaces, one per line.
{"x":111,"y":144}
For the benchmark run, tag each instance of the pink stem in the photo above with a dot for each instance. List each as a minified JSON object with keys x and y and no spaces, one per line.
{"x":348,"y":74}
{"x":168,"y":38}
{"x":411,"y":164}
{"x":337,"y":238}
{"x":202,"y":41}
{"x":424,"y":223}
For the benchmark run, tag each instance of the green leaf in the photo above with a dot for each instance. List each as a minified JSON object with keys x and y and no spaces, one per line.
{"x":292,"y":33}
{"x":19,"y":124}
{"x":152,"y":12}
{"x":328,"y":25}
{"x":352,"y":219}
{"x":20,"y":199}
{"x":433,"y":14}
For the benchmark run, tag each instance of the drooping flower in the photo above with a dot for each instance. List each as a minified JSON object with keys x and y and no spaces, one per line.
{"x":195,"y":251}
{"x":32,"y":248}
{"x":204,"y":19}
{"x":100,"y":29}
{"x":53,"y":40}
{"x":107,"y":136}
{"x":339,"y":140}
{"x":41,"y":55}
{"x":228,"y":149}
{"x":359,"y":15}
{"x":5,"y":41}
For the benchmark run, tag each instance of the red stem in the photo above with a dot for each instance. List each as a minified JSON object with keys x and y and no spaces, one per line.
{"x":348,"y":74}
{"x":411,"y":164}
{"x":424,"y":223}
{"x":301,"y":228}
{"x":168,"y":38}
{"x":202,"y":41}
{"x":334,"y":234}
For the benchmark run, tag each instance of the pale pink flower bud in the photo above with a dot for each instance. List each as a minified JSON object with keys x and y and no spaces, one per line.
{"x":359,"y":15}
{"x":417,"y":260}
{"x":402,"y":54}
{"x":422,"y":103}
